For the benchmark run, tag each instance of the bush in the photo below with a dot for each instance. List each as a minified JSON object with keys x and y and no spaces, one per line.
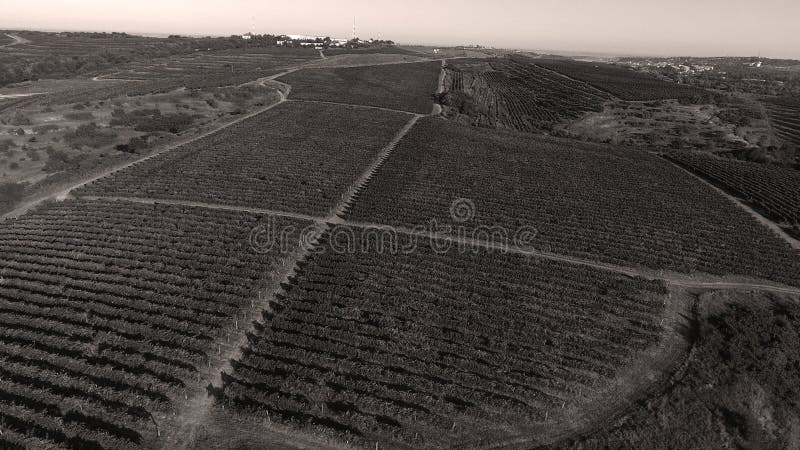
{"x":90,"y":135}
{"x":152,"y":120}
{"x":10,"y":195}
{"x":135,"y":144}
{"x":6,"y":144}
{"x":19,"y":119}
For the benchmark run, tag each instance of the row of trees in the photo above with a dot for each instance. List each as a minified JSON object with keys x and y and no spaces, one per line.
{"x":266,"y":40}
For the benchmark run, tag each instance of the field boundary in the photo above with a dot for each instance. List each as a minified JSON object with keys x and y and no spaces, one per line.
{"x":675,"y":279}
{"x":197,"y":409}
{"x":645,"y":376}
{"x":793,"y":243}
{"x":335,"y":215}
{"x":585,"y":83}
{"x":17,"y":41}
{"x":218,"y":206}
{"x":378,"y":108}
{"x":437,"y":108}
{"x":64,"y":193}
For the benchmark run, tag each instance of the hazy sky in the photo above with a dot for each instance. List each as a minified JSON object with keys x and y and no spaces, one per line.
{"x":672,"y":27}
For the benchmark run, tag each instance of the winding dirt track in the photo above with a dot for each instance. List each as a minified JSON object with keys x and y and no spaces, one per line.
{"x":685,"y":281}
{"x":379,"y":108}
{"x":196,"y":409}
{"x":63,"y":194}
{"x":17,"y":41}
{"x":794,"y":243}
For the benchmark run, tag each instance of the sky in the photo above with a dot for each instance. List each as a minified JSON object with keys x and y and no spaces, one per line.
{"x":620,"y":27}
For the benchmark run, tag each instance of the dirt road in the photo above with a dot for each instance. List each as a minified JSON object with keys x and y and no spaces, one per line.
{"x":17,"y":41}
{"x":64,"y":193}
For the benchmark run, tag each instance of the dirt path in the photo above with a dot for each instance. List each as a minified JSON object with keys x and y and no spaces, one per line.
{"x":644,"y":375}
{"x":794,"y":243}
{"x":183,"y":429}
{"x":153,"y":201}
{"x":590,"y":86}
{"x":17,"y":41}
{"x":379,"y":108}
{"x":196,"y":410}
{"x":102,"y":78}
{"x":335,"y":215}
{"x":29,"y":94}
{"x":675,"y":279}
{"x":332,"y":62}
{"x":437,"y":108}
{"x":63,"y":194}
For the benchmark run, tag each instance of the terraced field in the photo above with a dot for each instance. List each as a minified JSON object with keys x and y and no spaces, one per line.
{"x":108,"y":310}
{"x":784,"y":115}
{"x":428,"y":348}
{"x":592,"y":201}
{"x":274,"y":162}
{"x":622,"y":82}
{"x":519,"y":95}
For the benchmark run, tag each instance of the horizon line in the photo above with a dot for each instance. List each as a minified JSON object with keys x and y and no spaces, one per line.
{"x":568,"y":52}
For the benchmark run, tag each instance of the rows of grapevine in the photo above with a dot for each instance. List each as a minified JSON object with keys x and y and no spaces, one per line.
{"x":586,"y":200}
{"x":423,"y":349}
{"x":784,"y":116}
{"x":536,"y":98}
{"x":528,"y":98}
{"x":405,"y":87}
{"x":622,"y":82}
{"x":468,"y":84}
{"x":109,"y":309}
{"x":296,"y":157}
{"x":773,"y":190}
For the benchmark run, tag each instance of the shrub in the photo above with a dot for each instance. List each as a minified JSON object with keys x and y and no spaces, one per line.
{"x":90,"y":135}
{"x":6,"y":144}
{"x":152,"y":120}
{"x":10,"y":194}
{"x":19,"y":119}
{"x":134,"y":144}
